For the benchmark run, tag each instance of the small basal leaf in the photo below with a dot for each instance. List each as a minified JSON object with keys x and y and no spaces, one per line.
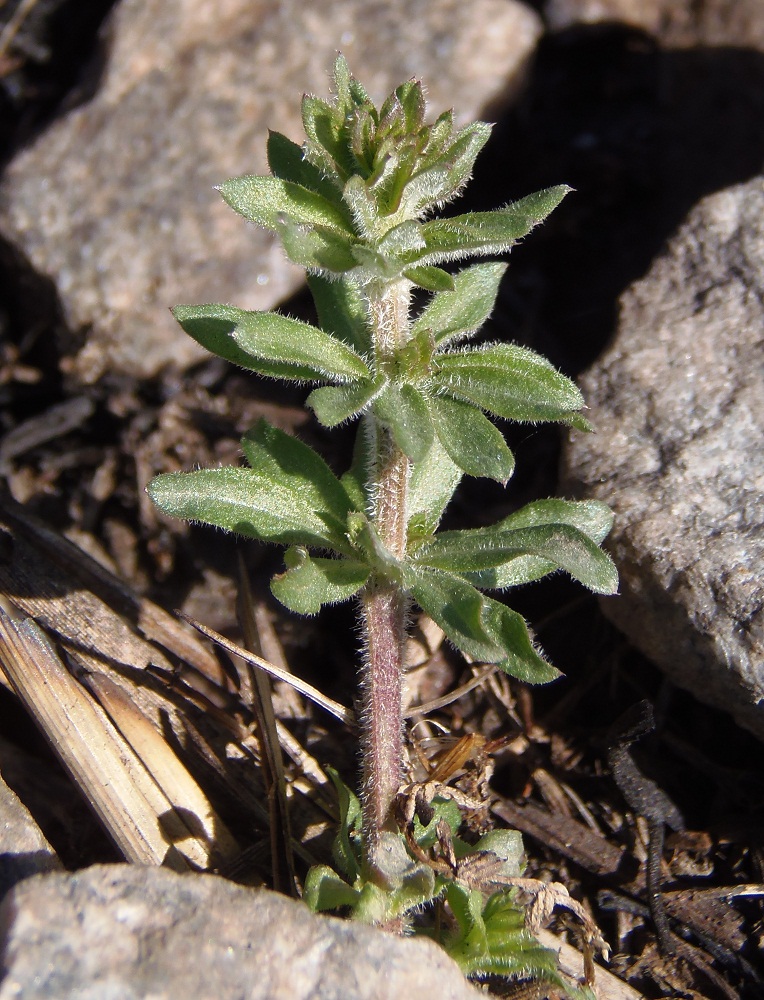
{"x":452,"y":315}
{"x":405,"y":411}
{"x":265,"y":200}
{"x":346,"y":847}
{"x":475,"y":444}
{"x":334,"y":404}
{"x":508,"y":381}
{"x":310,"y":582}
{"x":324,"y":890}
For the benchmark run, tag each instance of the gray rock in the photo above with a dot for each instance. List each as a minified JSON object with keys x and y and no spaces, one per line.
{"x":115,"y":202}
{"x":24,"y":851}
{"x":678,"y":407}
{"x":118,"y":932}
{"x":677,"y":23}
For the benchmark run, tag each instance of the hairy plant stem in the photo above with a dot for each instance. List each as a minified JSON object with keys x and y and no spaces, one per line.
{"x":384,"y":604}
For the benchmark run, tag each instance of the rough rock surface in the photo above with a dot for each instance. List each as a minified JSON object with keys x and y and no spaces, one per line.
{"x":24,"y":851}
{"x":118,"y":931}
{"x":115,"y":202}
{"x":675,"y":22}
{"x":678,"y":407}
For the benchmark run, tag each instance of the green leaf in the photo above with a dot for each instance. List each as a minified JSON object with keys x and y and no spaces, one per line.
{"x":335,"y":404}
{"x":433,"y":482}
{"x":265,"y":200}
{"x":477,"y":625}
{"x":404,"y":410}
{"x":246,"y":502}
{"x":324,"y":127}
{"x":325,"y":890}
{"x":442,"y":181}
{"x":467,"y":907}
{"x":346,"y":847}
{"x":314,"y":248}
{"x":471,"y":440}
{"x":294,"y":465}
{"x":342,"y":311}
{"x":432,"y":279}
{"x":591,"y":517}
{"x":478,"y":549}
{"x":481,"y":233}
{"x":451,"y":315}
{"x":509,"y":381}
{"x":354,"y":481}
{"x":365,"y":539}
{"x":287,"y":162}
{"x":309,"y":582}
{"x":271,"y":344}
{"x":507,"y":845}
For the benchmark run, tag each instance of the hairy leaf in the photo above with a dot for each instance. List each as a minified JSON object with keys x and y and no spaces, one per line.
{"x":432,"y":279}
{"x":451,"y":315}
{"x":509,"y":381}
{"x":405,"y":411}
{"x":479,"y":549}
{"x":287,"y":162}
{"x":341,"y":311}
{"x":271,"y":344}
{"x":310,"y":582}
{"x":481,"y":233}
{"x":317,"y":249}
{"x":335,"y":404}
{"x":265,"y":200}
{"x":471,"y":440}
{"x":433,"y":482}
{"x":479,"y":626}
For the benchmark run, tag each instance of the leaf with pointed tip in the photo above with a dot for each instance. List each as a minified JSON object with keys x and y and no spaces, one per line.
{"x":432,"y":485}
{"x":364,"y":538}
{"x":440,"y":182}
{"x":509,"y":381}
{"x":295,"y":466}
{"x":287,"y":162}
{"x":478,"y":549}
{"x":323,"y":128}
{"x":475,"y":444}
{"x":452,"y":315}
{"x":308,"y":582}
{"x":271,"y":344}
{"x":265,"y":200}
{"x":402,"y":239}
{"x":591,"y":517}
{"x":334,"y":404}
{"x":477,"y":625}
{"x":341,"y":311}
{"x":481,"y":233}
{"x":247,"y":503}
{"x":432,"y":279}
{"x":404,"y":410}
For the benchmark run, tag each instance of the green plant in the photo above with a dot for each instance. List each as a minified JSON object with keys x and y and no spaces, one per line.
{"x":353,"y":206}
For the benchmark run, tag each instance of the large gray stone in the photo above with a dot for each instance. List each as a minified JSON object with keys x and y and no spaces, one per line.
{"x":678,"y":406}
{"x":24,"y":851}
{"x":115,"y":202}
{"x":119,"y":932}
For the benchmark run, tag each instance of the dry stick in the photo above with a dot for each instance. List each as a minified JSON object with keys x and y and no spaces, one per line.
{"x":282,"y":859}
{"x":313,"y":694}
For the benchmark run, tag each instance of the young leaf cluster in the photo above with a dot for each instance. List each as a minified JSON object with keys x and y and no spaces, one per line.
{"x":353,"y":206}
